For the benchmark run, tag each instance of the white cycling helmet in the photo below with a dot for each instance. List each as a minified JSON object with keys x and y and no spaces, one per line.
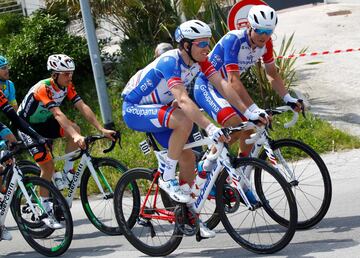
{"x":193,"y":29}
{"x":262,"y":17}
{"x":60,"y":63}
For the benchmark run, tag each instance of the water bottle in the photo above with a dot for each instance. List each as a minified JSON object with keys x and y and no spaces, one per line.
{"x":200,"y":179}
{"x":58,"y":178}
{"x":250,"y":197}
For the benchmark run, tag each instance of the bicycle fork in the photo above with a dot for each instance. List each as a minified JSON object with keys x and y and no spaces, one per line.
{"x":95,"y":176}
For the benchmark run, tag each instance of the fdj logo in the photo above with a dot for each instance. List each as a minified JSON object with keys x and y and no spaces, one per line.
{"x":203,"y":190}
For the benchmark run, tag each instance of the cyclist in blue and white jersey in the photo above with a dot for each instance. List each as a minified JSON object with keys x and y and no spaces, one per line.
{"x":8,"y":89}
{"x":7,"y":86}
{"x":156,"y":101}
{"x":232,"y":55}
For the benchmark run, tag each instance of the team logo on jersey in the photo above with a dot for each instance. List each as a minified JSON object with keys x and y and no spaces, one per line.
{"x":147,"y":84}
{"x":49,"y":93}
{"x":215,"y":60}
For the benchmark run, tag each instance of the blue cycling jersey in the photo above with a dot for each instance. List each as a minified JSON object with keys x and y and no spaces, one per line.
{"x":233,"y":52}
{"x":147,"y":93}
{"x":8,"y":89}
{"x":152,"y":84}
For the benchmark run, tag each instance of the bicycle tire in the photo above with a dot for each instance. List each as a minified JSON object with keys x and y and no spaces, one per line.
{"x":261,"y":228}
{"x":128,"y":192}
{"x":61,"y":237}
{"x":25,"y":162}
{"x":306,"y":200}
{"x":34,"y":227}
{"x":102,"y":214}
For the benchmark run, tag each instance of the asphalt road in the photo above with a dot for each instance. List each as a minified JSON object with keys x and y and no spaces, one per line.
{"x":338,"y":234}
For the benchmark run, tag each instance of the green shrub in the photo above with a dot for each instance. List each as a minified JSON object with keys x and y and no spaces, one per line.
{"x":10,"y":24}
{"x":42,"y":35}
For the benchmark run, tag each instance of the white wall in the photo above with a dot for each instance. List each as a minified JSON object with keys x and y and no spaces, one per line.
{"x":31,"y":5}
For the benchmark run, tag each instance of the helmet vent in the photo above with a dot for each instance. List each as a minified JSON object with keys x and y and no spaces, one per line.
{"x":263,"y":14}
{"x":256,"y":19}
{"x":199,"y":24}
{"x":195,"y":29}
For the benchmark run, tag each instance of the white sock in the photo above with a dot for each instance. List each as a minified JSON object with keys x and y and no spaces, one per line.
{"x":46,"y":204}
{"x":169,"y":169}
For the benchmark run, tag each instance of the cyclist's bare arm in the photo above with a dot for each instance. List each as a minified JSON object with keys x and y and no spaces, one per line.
{"x":228,"y":92}
{"x":277,"y":83}
{"x":66,"y":124}
{"x":235,"y":82}
{"x":275,"y":79}
{"x":89,"y":115}
{"x":190,"y":109}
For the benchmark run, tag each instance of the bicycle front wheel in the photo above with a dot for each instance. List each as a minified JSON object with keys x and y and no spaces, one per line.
{"x":144,"y":217}
{"x":308,"y":176}
{"x":255,"y":229}
{"x":98,"y":206}
{"x":56,"y":241}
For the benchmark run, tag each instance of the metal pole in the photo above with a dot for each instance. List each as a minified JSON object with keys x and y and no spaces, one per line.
{"x":96,"y":65}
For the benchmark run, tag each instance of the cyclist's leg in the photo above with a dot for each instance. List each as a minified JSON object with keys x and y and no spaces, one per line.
{"x":215,"y":105}
{"x":187,"y":167}
{"x":70,"y":146}
{"x":159,"y":120}
{"x":46,"y":164}
{"x":5,"y":134}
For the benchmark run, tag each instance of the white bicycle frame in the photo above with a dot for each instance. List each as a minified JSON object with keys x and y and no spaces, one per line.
{"x":240,"y":177}
{"x":222,"y":161}
{"x":85,"y":161}
{"x":16,"y":180}
{"x":261,"y":139}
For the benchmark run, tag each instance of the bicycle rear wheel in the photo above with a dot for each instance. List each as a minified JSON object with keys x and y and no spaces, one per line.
{"x":57,"y":241}
{"x":152,"y":231}
{"x":311,"y":183}
{"x":99,"y":207}
{"x":255,"y":229}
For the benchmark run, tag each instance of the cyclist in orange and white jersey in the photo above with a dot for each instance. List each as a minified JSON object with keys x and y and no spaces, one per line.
{"x":41,"y":109}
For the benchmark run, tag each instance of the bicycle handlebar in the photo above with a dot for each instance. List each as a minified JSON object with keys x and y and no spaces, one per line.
{"x":276,"y":111}
{"x":282,"y":109}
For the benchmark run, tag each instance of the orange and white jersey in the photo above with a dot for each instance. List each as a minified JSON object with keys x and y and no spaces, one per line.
{"x":35,"y":108}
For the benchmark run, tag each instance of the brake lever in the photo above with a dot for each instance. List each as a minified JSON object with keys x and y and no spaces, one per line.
{"x":302,"y":107}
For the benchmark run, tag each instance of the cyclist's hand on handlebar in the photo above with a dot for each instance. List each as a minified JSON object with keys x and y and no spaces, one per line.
{"x":79,"y":140}
{"x":259,"y":116}
{"x":109,"y":134}
{"x":296,"y":104}
{"x":216,"y":134}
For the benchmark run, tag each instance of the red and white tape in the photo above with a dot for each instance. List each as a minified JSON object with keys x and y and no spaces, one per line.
{"x":320,"y":53}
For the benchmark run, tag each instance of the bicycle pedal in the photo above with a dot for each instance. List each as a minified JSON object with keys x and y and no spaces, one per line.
{"x":199,"y":237}
{"x":186,"y":220}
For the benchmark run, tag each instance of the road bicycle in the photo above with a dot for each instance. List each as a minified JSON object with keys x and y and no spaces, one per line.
{"x":301,"y":166}
{"x":22,"y":195}
{"x":155,"y":227}
{"x":96,"y":178}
